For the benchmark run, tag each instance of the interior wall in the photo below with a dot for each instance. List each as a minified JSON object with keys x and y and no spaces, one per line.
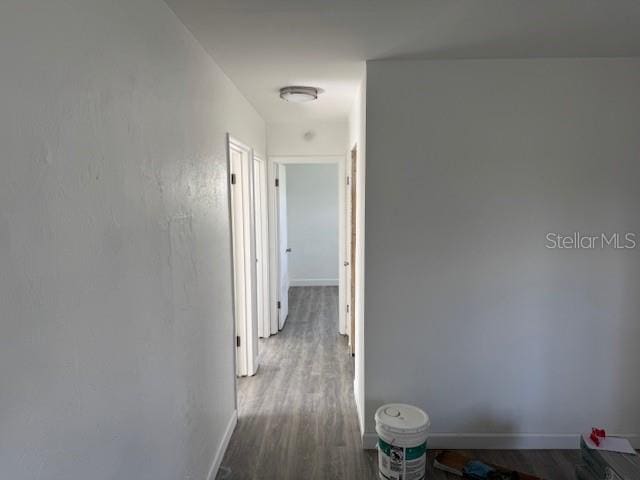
{"x":116,"y":352}
{"x":312,"y":221}
{"x":357,"y":139}
{"x":322,"y":138}
{"x":504,"y":342}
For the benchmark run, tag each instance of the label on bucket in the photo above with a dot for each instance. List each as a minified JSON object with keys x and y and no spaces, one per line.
{"x":399,"y":463}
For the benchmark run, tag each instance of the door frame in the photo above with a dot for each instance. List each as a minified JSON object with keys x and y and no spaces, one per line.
{"x":261,"y":218}
{"x":283,"y":246}
{"x":351,"y":242}
{"x":274,"y":251}
{"x":246,"y":350}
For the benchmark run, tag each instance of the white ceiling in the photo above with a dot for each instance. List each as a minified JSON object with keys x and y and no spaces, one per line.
{"x":266,"y":44}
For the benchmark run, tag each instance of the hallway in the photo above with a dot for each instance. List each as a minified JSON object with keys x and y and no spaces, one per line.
{"x":297,"y":416}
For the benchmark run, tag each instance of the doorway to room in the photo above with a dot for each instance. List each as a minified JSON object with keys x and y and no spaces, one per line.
{"x":308,"y":229}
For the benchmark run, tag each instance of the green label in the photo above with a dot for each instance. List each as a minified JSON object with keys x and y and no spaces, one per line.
{"x":409,"y":453}
{"x":415,"y":452}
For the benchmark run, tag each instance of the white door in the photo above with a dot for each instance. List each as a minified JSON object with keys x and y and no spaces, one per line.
{"x":347,"y":252}
{"x":274,"y":257}
{"x":244,"y":277}
{"x":283,"y":248}
{"x":262,"y":246}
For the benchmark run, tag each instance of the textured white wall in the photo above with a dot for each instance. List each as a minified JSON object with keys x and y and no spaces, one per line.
{"x":468,"y":315}
{"x":116,"y":350}
{"x":312,"y":220}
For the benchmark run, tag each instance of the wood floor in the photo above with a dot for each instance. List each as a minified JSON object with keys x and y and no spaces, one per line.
{"x":297,"y":417}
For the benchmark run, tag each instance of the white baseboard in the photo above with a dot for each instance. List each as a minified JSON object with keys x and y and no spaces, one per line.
{"x":504,"y":441}
{"x":360,"y":415}
{"x":369,"y":440}
{"x":314,"y":282}
{"x":222,"y":448}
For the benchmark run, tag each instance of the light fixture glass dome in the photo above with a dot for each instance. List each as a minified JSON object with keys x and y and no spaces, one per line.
{"x":298,"y":94}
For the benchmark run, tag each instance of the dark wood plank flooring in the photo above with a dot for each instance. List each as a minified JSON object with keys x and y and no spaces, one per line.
{"x":297,"y":417}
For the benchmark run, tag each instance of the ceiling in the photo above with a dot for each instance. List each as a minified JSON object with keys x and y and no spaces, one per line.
{"x":263,"y":45}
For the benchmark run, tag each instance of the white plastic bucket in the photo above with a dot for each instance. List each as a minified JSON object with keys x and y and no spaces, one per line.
{"x":402,"y":442}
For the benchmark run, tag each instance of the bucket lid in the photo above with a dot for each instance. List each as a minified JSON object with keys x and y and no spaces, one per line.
{"x":401,"y":418}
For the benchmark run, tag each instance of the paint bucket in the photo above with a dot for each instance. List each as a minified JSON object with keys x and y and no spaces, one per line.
{"x":402,"y":442}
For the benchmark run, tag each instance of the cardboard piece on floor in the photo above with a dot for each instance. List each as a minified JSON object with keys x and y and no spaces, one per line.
{"x":454,"y":462}
{"x":610,"y":444}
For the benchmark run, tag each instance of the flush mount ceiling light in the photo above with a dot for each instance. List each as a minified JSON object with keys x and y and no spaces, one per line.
{"x":299,"y":94}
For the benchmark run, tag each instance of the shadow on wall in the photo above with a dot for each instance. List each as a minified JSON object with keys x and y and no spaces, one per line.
{"x":484,"y":418}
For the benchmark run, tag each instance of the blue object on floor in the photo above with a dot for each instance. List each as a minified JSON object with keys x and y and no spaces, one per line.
{"x":477,"y":470}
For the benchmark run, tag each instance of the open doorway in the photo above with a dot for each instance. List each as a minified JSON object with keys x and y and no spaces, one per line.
{"x":307,"y":229}
{"x":312,"y":225}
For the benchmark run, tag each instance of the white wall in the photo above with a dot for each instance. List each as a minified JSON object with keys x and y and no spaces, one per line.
{"x":312,"y":221}
{"x":116,"y":343}
{"x":357,"y":138}
{"x":468,"y":315}
{"x":327,"y":138}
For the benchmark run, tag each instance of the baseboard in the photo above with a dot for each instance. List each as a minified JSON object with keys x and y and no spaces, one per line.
{"x":502,"y":441}
{"x":222,"y":448}
{"x":360,"y":415}
{"x":314,"y":282}
{"x":369,"y":441}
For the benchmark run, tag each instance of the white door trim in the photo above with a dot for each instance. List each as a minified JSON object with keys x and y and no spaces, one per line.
{"x":283,"y":248}
{"x":340,"y":160}
{"x":260,"y":175}
{"x":243,"y":258}
{"x":274,"y":270}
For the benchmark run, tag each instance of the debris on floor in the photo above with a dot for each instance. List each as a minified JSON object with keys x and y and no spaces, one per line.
{"x":224,"y":473}
{"x":607,"y":458}
{"x":598,"y":440}
{"x":463,"y":466}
